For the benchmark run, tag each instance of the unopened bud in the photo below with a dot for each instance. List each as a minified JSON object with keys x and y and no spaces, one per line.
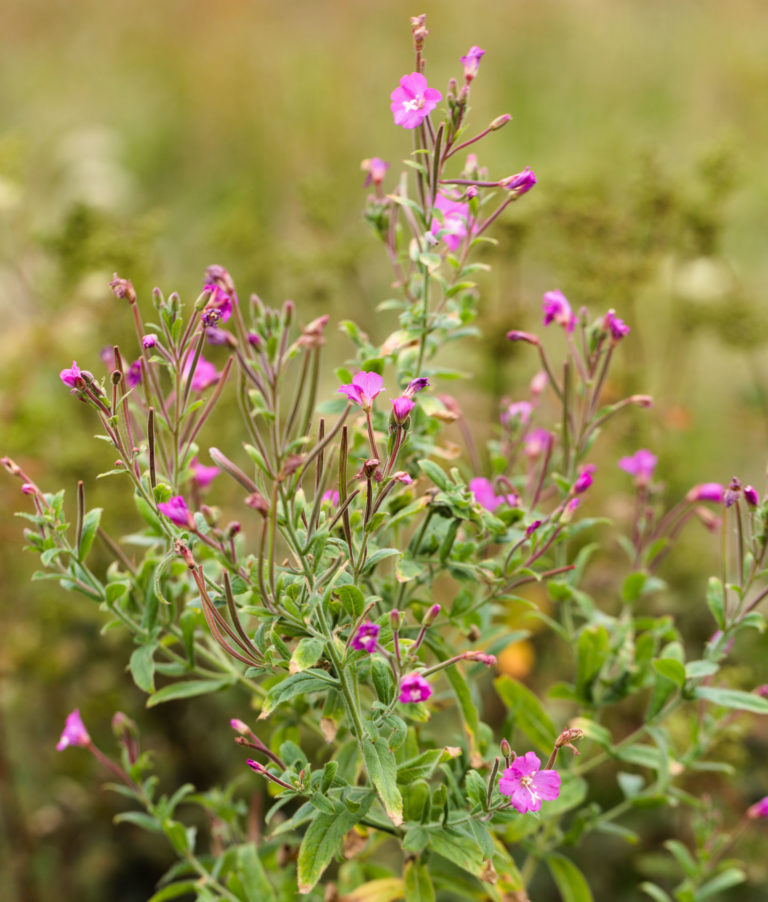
{"x":395,"y":619}
{"x":288,"y":310}
{"x":431,"y":615}
{"x":499,"y":122}
{"x":258,"y":502}
{"x":506,"y":748}
{"x":291,"y":465}
{"x":210,"y":515}
{"x":641,"y":400}
{"x":239,"y":726}
{"x":516,"y":335}
{"x":232,"y":529}
{"x":751,"y":496}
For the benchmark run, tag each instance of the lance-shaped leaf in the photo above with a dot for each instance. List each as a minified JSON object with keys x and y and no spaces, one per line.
{"x":382,"y":770}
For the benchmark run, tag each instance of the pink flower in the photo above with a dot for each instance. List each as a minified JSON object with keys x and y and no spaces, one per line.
{"x":521,"y":182}
{"x":402,"y":476}
{"x":759,"y":809}
{"x":706,"y":491}
{"x":133,"y":374}
{"x":203,"y":475}
{"x":74,"y":732}
{"x":205,"y":373}
{"x":415,"y":386}
{"x":413,"y":100}
{"x":414,"y":688}
{"x":72,"y":376}
{"x":471,"y":62}
{"x":617,"y":327}
{"x":527,"y":786}
{"x":363,"y":389}
{"x":486,"y":497}
{"x":531,"y":528}
{"x":751,"y":496}
{"x":519,"y":412}
{"x":177,"y":511}
{"x":401,"y":408}
{"x":332,"y":495}
{"x":584,"y":479}
{"x":453,"y":226}
{"x":537,"y":442}
{"x":366,"y":636}
{"x":640,"y":465}
{"x":558,"y":310}
{"x":376,"y":169}
{"x":219,"y":306}
{"x":149,"y":340}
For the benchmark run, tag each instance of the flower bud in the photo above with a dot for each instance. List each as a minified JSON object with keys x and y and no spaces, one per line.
{"x":751,"y":496}
{"x":516,"y":335}
{"x":395,"y":619}
{"x":431,"y":615}
{"x":499,"y":122}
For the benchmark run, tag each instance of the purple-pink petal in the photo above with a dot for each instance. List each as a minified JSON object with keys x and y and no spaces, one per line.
{"x":74,"y":732}
{"x":176,"y":510}
{"x":413,"y":100}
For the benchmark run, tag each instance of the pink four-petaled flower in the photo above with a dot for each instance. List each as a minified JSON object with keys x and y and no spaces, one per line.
{"x":471,"y":62}
{"x":527,"y":786}
{"x":177,"y":511}
{"x":413,"y":100}
{"x":558,"y":310}
{"x":71,"y":376}
{"x":363,"y":389}
{"x":455,"y":221}
{"x":486,"y":496}
{"x":366,"y":636}
{"x":414,"y":688}
{"x":640,"y":465}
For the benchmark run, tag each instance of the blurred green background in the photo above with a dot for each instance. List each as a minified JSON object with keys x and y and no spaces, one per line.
{"x":154,"y":139}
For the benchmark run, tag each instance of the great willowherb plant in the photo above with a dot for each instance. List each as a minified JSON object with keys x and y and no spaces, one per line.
{"x":360,"y":603}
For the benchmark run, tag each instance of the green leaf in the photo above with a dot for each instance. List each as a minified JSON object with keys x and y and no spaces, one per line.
{"x":436,"y":474}
{"x":174,"y":890}
{"x":323,"y":839}
{"x":382,"y":770}
{"x":186,"y":689}
{"x":90,"y":527}
{"x":642,"y":755}
{"x":422,"y":765}
{"x":725,"y":880}
{"x":417,"y":882}
{"x":655,"y":892}
{"x":459,"y":848}
{"x":467,"y":707}
{"x":407,"y":569}
{"x":527,"y":712}
{"x":716,"y":601}
{"x":671,"y":669}
{"x":306,"y":654}
{"x":352,"y":600}
{"x":592,"y":649}
{"x":297,"y":684}
{"x":733,"y":698}
{"x":633,"y":586}
{"x":569,"y":879}
{"x":142,"y":667}
{"x":140,"y":819}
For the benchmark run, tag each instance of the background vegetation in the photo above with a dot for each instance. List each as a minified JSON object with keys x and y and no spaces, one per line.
{"x":153,"y":139}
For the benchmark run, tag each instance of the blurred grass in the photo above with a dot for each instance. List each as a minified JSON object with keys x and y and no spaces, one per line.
{"x":153,"y":139}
